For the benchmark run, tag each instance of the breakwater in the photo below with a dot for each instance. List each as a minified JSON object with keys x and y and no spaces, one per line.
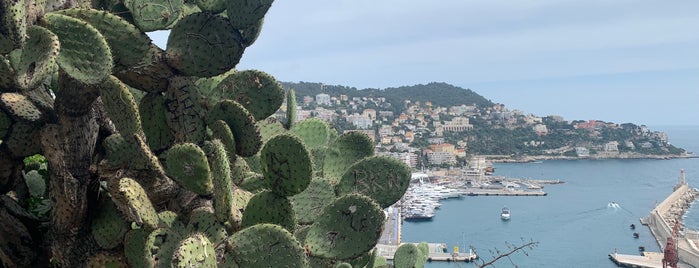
{"x":667,"y":214}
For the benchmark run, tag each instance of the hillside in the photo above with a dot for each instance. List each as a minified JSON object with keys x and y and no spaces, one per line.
{"x":440,"y":94}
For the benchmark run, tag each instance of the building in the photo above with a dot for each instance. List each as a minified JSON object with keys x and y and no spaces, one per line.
{"x":611,"y":147}
{"x":439,"y":158}
{"x":540,"y":129}
{"x":360,"y":121}
{"x":371,"y":113}
{"x":582,"y":152}
{"x":457,"y":124}
{"x":323,"y":99}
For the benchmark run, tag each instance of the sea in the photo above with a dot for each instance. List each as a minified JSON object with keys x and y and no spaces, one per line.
{"x":577,"y":224}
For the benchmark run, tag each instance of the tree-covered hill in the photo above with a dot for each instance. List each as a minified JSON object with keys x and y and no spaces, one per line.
{"x":440,"y":94}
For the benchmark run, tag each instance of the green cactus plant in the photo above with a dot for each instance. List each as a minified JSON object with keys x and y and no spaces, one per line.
{"x":385,"y":179}
{"x":121,"y":107}
{"x":407,"y":256}
{"x":221,"y":178}
{"x":309,"y":204}
{"x":187,"y":164}
{"x":346,"y":150}
{"x":152,"y":15}
{"x":181,"y":166}
{"x":202,"y":220}
{"x":286,"y":165}
{"x":127,"y":43}
{"x":20,"y":107}
{"x":203,"y":44}
{"x":108,"y":227}
{"x":38,"y":58}
{"x":194,"y":251}
{"x":85,"y":54}
{"x":348,"y":227}
{"x":130,"y":198}
{"x":257,"y":91}
{"x":242,"y":124}
{"x":269,"y":207}
{"x":154,"y":122}
{"x":313,"y":131}
{"x":185,"y":110}
{"x":290,"y":109}
{"x":243,"y":14}
{"x":264,"y":245}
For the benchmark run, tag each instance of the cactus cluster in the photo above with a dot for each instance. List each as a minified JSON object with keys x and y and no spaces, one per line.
{"x":172,"y":157}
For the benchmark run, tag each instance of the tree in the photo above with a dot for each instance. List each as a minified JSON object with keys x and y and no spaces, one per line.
{"x":194,"y":173}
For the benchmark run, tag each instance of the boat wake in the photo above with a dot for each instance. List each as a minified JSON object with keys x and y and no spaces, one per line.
{"x":613,"y":205}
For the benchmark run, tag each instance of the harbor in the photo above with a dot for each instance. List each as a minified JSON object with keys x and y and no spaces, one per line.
{"x":425,"y":193}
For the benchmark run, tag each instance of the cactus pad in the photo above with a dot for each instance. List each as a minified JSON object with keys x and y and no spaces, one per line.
{"x":130,"y":198}
{"x":313,"y":131}
{"x":264,"y":245}
{"x":121,"y":107}
{"x":406,"y":256}
{"x":185,"y":111}
{"x":221,"y":177}
{"x":348,"y":228}
{"x":194,"y":251}
{"x":7,"y":73}
{"x":5,"y":124}
{"x":154,"y":122}
{"x":106,"y":260}
{"x":290,"y":109}
{"x":203,"y":44}
{"x":257,"y":91}
{"x":23,"y":140}
{"x":221,"y":131}
{"x":212,"y":6}
{"x":270,"y":127}
{"x":383,"y":178}
{"x":202,"y":220}
{"x":151,"y":74}
{"x":187,"y":164}
{"x":35,"y":183}
{"x":85,"y":54}
{"x":153,"y":15}
{"x":108,"y":228}
{"x":250,"y":34}
{"x":166,"y":219}
{"x":20,"y":107}
{"x":13,"y":21}
{"x":38,"y":58}
{"x":344,"y":152}
{"x":242,"y":124}
{"x":310,"y":203}
{"x":161,"y":245}
{"x":137,"y":254}
{"x":268,"y":207}
{"x":128,"y":44}
{"x":244,"y":14}
{"x":240,"y":199}
{"x":286,"y":165}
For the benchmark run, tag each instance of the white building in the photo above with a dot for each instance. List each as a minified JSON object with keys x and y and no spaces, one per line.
{"x":323,"y":99}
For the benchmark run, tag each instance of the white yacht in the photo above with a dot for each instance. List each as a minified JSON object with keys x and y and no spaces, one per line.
{"x":505,"y":215}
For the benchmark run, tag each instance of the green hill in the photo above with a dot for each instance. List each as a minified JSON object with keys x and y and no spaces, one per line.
{"x":440,"y":94}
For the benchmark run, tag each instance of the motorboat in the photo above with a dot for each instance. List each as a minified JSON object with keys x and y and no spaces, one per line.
{"x":505,"y":215}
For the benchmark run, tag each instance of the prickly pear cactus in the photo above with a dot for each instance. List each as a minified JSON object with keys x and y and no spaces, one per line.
{"x":347,"y":228}
{"x":170,"y":156}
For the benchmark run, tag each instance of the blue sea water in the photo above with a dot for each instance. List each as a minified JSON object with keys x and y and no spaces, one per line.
{"x":574,"y":225}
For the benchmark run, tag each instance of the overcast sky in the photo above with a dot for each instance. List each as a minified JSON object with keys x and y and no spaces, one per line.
{"x":613,"y":60}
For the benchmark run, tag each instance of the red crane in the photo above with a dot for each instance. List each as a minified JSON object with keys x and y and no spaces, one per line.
{"x":670,"y":258}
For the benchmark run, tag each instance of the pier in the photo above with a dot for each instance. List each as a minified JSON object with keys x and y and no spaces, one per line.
{"x":647,"y":260}
{"x":661,"y":222}
{"x":438,"y":252}
{"x":500,"y":192}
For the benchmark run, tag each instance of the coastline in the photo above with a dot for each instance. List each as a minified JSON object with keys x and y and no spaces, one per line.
{"x":535,"y":158}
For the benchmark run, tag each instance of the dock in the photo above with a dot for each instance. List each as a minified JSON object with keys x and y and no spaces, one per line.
{"x":500,"y":192}
{"x":647,"y":260}
{"x":438,"y":252}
